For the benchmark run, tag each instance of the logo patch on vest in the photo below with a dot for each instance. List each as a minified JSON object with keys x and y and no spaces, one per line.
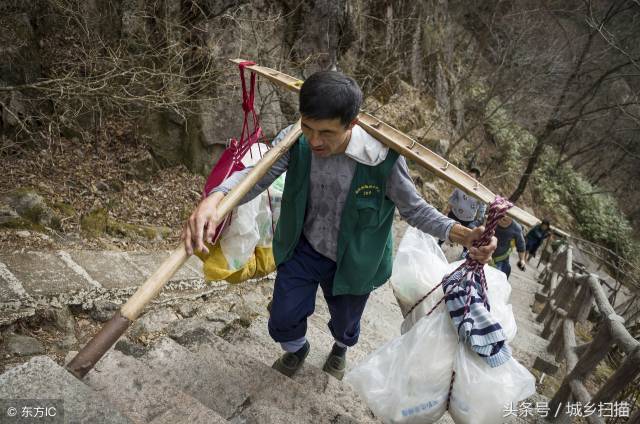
{"x":367,"y":190}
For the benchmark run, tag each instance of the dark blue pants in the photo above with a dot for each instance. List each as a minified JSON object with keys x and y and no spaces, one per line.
{"x":294,"y":298}
{"x":504,"y":266}
{"x":532,"y":246}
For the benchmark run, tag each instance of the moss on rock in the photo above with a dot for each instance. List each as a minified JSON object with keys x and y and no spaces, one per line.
{"x":98,"y":222}
{"x":29,"y":210}
{"x":123,"y":229}
{"x":64,"y":209}
{"x":94,"y":223}
{"x":22,"y":224}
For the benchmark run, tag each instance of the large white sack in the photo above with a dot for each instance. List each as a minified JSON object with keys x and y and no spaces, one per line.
{"x":480,"y":393}
{"x":420,"y":265}
{"x":407,"y":380}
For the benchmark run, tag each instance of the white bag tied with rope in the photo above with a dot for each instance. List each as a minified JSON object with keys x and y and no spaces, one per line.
{"x":453,"y":353}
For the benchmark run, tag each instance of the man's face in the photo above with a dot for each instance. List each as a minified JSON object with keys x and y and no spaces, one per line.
{"x":505,"y":221}
{"x":326,"y":137}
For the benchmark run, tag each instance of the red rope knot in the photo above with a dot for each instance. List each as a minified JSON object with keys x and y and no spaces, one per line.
{"x":497,"y":210}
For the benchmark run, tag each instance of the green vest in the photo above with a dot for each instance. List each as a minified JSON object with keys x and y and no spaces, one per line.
{"x":364,"y":259}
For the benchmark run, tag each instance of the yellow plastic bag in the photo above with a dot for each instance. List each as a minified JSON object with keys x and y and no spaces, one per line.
{"x":215,"y":266}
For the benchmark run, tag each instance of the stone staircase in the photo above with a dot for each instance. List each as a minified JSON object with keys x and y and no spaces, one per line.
{"x":206,"y":369}
{"x":211,"y":365}
{"x":29,"y":280}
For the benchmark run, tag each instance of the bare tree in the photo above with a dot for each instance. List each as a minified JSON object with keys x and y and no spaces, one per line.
{"x":151,"y":69}
{"x":583,"y":97}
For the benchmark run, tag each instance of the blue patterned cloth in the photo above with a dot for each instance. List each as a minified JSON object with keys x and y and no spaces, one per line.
{"x":468,"y":306}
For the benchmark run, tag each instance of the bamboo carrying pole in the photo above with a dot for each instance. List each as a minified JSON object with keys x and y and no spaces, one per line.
{"x":409,"y":148}
{"x":91,"y":353}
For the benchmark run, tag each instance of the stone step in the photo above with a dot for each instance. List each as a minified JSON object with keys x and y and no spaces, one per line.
{"x":214,"y":387}
{"x":15,"y":303}
{"x":380,"y":323}
{"x":526,"y":318}
{"x":142,"y":394}
{"x":73,"y":271}
{"x":254,"y":341}
{"x":524,"y":284}
{"x":42,"y":378}
{"x":526,"y":327}
{"x":59,"y":276}
{"x":525,"y":334}
{"x":530,"y":349}
{"x":94,"y":279}
{"x":523,"y":304}
{"x":237,"y":386}
{"x":522,"y":299}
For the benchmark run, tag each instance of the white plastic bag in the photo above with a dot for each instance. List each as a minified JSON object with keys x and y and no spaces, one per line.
{"x":252,"y":225}
{"x":407,"y":380}
{"x":239,"y":239}
{"x":244,"y":249}
{"x":503,"y":313}
{"x":480,"y":393}
{"x":418,"y":266}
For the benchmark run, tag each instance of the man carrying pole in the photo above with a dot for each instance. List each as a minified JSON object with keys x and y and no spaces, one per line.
{"x":341,"y":191}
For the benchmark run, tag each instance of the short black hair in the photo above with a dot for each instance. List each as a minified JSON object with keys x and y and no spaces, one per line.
{"x":475,"y":170}
{"x":545,"y":222}
{"x":330,"y":95}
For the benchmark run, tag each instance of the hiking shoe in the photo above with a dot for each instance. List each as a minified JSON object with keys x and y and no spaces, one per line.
{"x":289,"y":363}
{"x":336,"y":362}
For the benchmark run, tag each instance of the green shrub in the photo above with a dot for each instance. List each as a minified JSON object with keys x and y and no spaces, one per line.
{"x":562,"y":190}
{"x":597,"y":215}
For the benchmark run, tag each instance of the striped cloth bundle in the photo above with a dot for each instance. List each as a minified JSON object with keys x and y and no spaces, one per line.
{"x":467,"y":302}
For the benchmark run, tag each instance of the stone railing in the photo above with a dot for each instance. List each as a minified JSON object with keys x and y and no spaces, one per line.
{"x":570,"y":294}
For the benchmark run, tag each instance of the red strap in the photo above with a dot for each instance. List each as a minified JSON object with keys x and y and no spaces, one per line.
{"x":231,"y":159}
{"x":247,"y":98}
{"x":248,"y":106}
